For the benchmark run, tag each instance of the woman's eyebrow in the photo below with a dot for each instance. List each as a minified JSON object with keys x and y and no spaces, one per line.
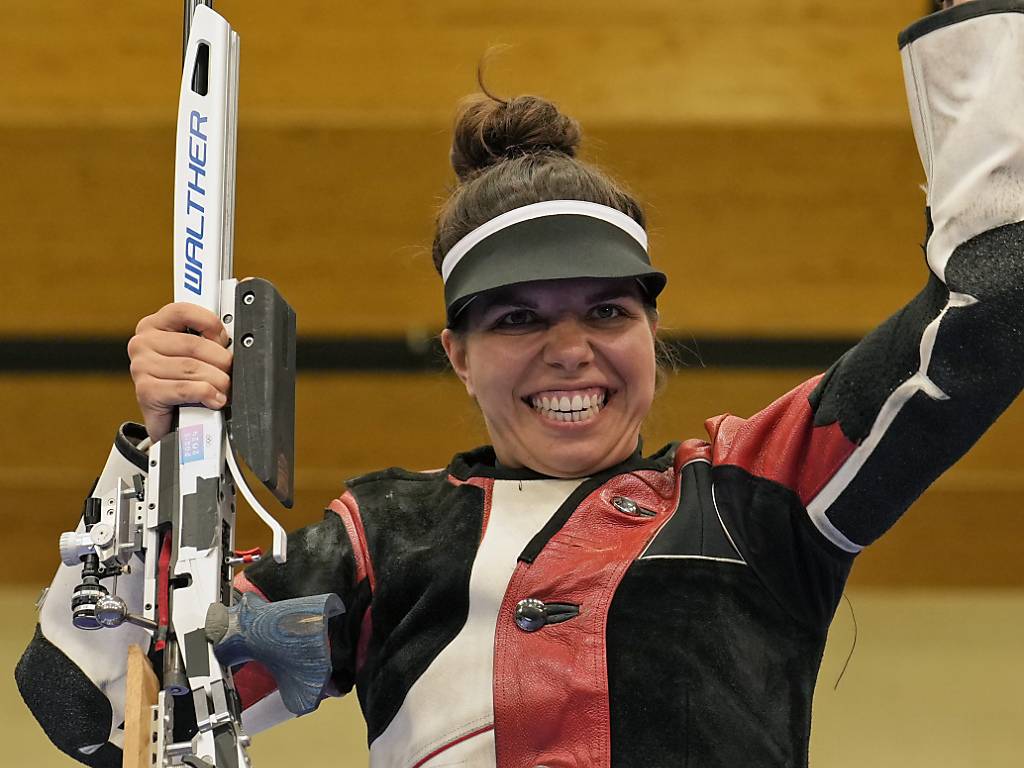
{"x":509,"y":300}
{"x":610,"y":293}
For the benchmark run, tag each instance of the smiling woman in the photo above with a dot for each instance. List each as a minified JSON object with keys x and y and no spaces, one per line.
{"x":558,"y":598}
{"x":550,"y":293}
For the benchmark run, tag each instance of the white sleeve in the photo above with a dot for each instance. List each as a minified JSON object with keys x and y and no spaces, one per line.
{"x":964,"y":72}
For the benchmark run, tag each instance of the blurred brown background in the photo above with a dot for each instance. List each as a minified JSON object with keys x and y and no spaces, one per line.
{"x":771,"y":144}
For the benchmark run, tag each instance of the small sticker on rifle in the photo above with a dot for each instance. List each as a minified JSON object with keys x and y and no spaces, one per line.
{"x":190,"y":442}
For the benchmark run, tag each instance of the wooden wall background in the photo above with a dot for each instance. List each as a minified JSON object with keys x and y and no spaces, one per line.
{"x":770,"y":141}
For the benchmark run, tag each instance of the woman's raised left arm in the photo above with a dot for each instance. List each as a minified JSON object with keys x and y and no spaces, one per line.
{"x":860,"y":444}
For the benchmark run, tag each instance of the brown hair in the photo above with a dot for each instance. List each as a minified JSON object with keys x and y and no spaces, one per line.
{"x":508,"y":154}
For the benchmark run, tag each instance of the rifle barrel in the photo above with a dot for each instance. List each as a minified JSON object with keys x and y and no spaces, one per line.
{"x":190,"y":10}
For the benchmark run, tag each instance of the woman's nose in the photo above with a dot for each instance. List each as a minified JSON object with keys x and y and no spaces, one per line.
{"x":567,"y":345}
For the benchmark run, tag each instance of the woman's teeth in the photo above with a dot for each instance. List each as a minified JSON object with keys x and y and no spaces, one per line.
{"x":569,"y":406}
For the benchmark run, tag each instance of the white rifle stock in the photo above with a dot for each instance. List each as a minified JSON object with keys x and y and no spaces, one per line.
{"x":180,"y":518}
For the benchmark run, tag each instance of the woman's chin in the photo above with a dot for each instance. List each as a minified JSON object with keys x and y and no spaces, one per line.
{"x":564,"y":449}
{"x":581,"y":460}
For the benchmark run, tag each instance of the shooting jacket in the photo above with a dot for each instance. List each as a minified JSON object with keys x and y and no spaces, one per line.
{"x":673,"y":609}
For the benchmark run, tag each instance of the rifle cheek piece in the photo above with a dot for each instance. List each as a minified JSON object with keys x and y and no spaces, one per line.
{"x":262,"y":420}
{"x":288,"y":637}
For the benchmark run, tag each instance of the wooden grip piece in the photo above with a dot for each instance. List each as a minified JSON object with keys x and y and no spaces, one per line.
{"x":140,"y":698}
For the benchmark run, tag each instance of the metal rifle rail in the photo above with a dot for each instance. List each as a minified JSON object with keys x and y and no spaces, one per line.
{"x":191,"y":517}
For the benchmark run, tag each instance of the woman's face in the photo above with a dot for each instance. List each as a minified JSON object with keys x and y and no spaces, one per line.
{"x":563,"y":371}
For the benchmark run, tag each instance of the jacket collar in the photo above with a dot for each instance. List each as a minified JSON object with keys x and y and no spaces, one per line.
{"x":481,"y":462}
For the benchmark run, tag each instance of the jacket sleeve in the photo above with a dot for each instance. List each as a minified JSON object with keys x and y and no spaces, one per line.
{"x":73,"y":681}
{"x":859,"y":444}
{"x":330,"y":556}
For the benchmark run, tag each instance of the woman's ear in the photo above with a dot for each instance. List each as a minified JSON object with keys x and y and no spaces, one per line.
{"x":455,"y":347}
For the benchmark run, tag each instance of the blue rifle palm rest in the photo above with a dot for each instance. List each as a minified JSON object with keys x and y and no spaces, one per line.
{"x":288,"y":637}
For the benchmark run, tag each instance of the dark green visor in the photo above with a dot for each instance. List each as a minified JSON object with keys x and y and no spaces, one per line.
{"x":555,"y":247}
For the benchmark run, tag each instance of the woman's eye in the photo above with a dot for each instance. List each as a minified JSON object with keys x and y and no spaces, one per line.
{"x":516,"y":318}
{"x":607,"y":312}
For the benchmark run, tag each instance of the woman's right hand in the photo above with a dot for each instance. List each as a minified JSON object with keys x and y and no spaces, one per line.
{"x":171,"y":367}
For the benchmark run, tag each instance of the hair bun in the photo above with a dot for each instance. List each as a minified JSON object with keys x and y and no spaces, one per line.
{"x":488,"y":130}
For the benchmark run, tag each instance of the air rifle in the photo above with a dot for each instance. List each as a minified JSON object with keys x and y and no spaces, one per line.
{"x":176,"y":520}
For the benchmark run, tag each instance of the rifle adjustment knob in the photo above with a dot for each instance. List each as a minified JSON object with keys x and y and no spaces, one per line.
{"x":84,"y":599}
{"x":102,"y":534}
{"x":110,"y":611}
{"x":74,"y":546}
